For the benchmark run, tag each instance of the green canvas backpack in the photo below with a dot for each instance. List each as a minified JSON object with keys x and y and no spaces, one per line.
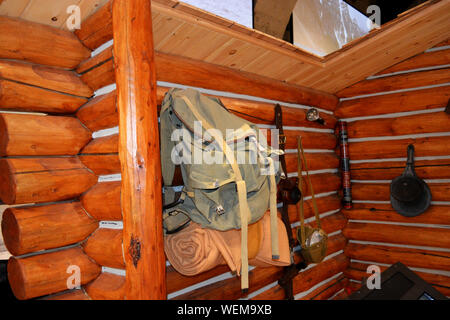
{"x":229,"y":172}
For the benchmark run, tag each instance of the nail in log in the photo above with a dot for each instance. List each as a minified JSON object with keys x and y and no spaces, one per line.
{"x":139,"y":150}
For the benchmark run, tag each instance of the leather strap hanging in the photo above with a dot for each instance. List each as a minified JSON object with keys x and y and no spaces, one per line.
{"x":281,"y":138}
{"x":288,"y":194}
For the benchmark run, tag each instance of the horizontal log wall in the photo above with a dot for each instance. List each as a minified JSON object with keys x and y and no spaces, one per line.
{"x":31,"y":229}
{"x":33,"y":42}
{"x":38,"y":180}
{"x":47,"y":273}
{"x":102,"y":202}
{"x":401,"y":105}
{"x":42,"y":177}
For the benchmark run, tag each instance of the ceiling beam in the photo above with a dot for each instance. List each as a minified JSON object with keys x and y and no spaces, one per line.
{"x":272,"y":16}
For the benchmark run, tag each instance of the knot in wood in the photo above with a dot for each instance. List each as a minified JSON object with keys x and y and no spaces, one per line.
{"x":140,"y":161}
{"x":135,"y":250}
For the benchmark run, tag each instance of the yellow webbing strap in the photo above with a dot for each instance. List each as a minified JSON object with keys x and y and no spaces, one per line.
{"x":273,"y":212}
{"x":242,"y":196}
{"x":300,"y":187}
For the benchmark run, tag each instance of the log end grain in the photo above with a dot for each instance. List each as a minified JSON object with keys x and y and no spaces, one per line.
{"x":30,"y":229}
{"x":49,"y":273}
{"x":102,"y":201}
{"x":37,"y":135}
{"x":7,"y":182}
{"x":107,"y":287}
{"x":3,"y":136}
{"x":16,"y":277}
{"x":105,"y":247}
{"x":11,"y":232}
{"x":38,"y":180}
{"x":38,"y":43}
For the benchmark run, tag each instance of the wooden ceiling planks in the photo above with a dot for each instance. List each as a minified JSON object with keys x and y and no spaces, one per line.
{"x":423,"y":60}
{"x":48,"y":12}
{"x":199,"y":18}
{"x":13,"y":8}
{"x":398,"y":41}
{"x":53,"y":13}
{"x":186,"y":31}
{"x":409,"y":35}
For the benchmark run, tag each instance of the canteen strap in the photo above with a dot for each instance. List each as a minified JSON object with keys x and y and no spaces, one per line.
{"x":302,"y":166}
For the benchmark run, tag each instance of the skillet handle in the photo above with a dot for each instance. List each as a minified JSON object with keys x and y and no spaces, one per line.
{"x":409,"y":170}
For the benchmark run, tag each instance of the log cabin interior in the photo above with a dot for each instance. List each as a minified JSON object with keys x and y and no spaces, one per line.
{"x":80,"y":168}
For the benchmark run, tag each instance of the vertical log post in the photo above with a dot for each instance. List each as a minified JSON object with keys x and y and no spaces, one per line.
{"x":139,"y":150}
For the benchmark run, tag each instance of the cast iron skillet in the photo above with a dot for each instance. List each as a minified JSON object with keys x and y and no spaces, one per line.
{"x":410,"y":196}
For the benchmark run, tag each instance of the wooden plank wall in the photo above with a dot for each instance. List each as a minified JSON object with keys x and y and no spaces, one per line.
{"x":401,"y":105}
{"x":100,"y":155}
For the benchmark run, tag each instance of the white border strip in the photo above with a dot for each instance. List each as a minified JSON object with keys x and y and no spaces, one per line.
{"x":23,"y":112}
{"x":313,"y":218}
{"x":435,"y":203}
{"x":300,"y":128}
{"x":295,"y":174}
{"x":336,"y":294}
{"x":400,"y":159}
{"x":110,"y":178}
{"x":105,"y":132}
{"x":402,"y":137}
{"x":395,"y":91}
{"x":431,"y":181}
{"x":288,"y":151}
{"x":437,"y":49}
{"x":102,"y":48}
{"x":119,"y":272}
{"x":329,"y":280}
{"x":405,"y":224}
{"x":443,"y":66}
{"x":115,"y":225}
{"x":431,"y":271}
{"x":395,"y":115}
{"x":398,"y":245}
{"x":105,"y":90}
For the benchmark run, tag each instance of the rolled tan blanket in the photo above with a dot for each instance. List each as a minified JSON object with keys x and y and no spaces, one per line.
{"x":229,"y":244}
{"x":264,"y":256}
{"x":194,"y":250}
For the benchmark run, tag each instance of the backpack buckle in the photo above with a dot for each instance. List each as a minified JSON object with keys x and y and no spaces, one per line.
{"x":220,"y":210}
